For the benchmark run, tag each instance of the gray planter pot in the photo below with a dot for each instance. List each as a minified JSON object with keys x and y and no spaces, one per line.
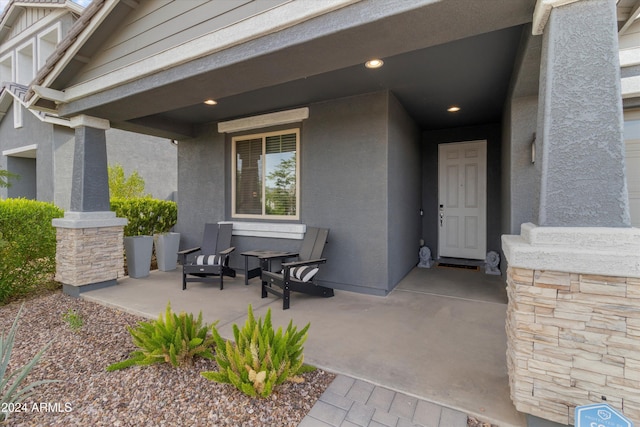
{"x":167,"y":246}
{"x":138,"y":250}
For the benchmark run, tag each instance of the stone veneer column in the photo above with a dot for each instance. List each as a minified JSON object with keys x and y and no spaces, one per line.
{"x":573,"y":319}
{"x":89,"y":251}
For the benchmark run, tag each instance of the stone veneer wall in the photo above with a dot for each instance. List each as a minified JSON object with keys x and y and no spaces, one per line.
{"x":89,"y":255}
{"x":573,"y":339}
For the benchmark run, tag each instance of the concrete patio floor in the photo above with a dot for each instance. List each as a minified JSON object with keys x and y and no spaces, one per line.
{"x":438,"y":336}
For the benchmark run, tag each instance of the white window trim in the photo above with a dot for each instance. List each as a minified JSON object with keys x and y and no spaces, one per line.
{"x":18,"y":71}
{"x":12,"y":77}
{"x":17,"y":115}
{"x":264,"y":120}
{"x":58,"y":29}
{"x":264,"y":135}
{"x":268,"y":229}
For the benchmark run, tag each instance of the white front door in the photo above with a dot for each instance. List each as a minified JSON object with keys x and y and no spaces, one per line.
{"x":462,"y":200}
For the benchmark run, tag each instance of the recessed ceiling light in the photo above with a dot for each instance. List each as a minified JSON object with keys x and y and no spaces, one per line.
{"x":210,"y":102}
{"x":374,"y":63}
{"x":453,"y":109}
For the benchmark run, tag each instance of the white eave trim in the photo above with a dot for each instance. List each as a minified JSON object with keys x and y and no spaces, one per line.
{"x":273,"y":20}
{"x":264,"y":120}
{"x":542,"y":12}
{"x":20,"y":150}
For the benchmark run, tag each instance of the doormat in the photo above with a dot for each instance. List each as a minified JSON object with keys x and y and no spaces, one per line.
{"x":464,"y":267}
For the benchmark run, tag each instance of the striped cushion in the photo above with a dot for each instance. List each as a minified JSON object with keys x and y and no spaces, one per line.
{"x":209,"y":260}
{"x":304,"y":273}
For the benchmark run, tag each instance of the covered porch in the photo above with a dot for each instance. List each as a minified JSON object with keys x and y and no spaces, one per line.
{"x":438,"y":336}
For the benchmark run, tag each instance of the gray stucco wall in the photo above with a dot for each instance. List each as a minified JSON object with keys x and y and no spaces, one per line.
{"x":430,"y":141}
{"x":521,"y":179}
{"x":360,"y":177}
{"x":33,"y":131}
{"x":63,"y":143}
{"x":345,"y":186}
{"x":155,"y":160}
{"x":25,"y":184}
{"x":405,"y":188}
{"x":583,"y":179}
{"x":201,"y":184}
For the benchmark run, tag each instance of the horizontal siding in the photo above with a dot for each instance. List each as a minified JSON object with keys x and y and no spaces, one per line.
{"x":161,"y":24}
{"x":631,"y":37}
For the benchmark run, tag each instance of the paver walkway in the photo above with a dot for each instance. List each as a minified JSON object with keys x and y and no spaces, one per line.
{"x":348,"y":402}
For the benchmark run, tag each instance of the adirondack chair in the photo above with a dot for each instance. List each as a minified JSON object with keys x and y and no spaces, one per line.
{"x":211,"y":259}
{"x":298,"y":275}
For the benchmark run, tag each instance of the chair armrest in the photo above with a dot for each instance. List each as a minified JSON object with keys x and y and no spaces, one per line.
{"x":227,"y":251}
{"x":188,"y":251}
{"x":300,"y":263}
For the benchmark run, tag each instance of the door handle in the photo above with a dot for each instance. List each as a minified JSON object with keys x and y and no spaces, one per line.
{"x":441,"y":215}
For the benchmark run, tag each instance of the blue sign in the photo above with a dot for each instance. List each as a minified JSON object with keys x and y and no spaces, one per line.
{"x":600,"y":415}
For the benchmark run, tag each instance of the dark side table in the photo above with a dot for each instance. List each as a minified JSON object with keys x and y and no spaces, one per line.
{"x":263,"y":256}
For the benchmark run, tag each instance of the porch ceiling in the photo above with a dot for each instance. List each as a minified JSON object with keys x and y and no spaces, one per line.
{"x":430,"y":63}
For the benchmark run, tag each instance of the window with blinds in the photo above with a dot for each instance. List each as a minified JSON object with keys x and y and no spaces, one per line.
{"x":265,"y":182}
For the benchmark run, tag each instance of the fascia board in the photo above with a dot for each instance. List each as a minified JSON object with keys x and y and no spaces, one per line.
{"x":5,"y":101}
{"x":93,"y":25}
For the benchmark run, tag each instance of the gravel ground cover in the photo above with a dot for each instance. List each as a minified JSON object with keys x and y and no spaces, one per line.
{"x":160,"y":395}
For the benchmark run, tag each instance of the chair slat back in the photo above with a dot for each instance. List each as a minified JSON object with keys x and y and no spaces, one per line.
{"x":313,"y":243}
{"x":216,"y":237}
{"x":209,"y":239}
{"x":224,"y":237}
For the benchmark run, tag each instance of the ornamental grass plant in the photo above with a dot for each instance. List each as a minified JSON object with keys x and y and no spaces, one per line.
{"x":175,"y":338}
{"x":260,"y":358}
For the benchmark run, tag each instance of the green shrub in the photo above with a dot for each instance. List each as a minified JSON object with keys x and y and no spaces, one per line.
{"x":175,"y":339}
{"x":260,"y":358}
{"x":122,"y":187}
{"x":146,"y":215}
{"x":10,"y":383}
{"x":27,"y":246}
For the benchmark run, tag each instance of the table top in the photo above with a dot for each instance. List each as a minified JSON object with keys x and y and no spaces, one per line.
{"x":269,"y":254}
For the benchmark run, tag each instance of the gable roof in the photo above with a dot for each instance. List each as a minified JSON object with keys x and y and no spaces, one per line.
{"x":16,"y":7}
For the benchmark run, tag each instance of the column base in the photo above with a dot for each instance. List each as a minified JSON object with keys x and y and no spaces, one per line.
{"x":90,"y":249}
{"x":75,"y":291}
{"x":573,"y":320}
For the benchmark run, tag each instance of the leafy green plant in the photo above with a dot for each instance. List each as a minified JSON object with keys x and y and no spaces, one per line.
{"x":6,"y":177}
{"x":146,"y":216}
{"x":260,"y":358}
{"x":73,"y":319}
{"x":27,"y":246}
{"x":123,"y":187}
{"x":10,"y":383}
{"x":175,"y":339}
